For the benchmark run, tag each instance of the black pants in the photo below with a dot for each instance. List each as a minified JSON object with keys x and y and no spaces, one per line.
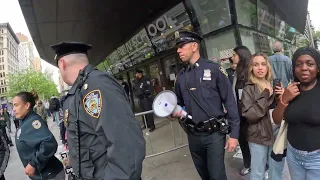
{"x":146,"y":105}
{"x":207,"y":152}
{"x":244,"y":146}
{"x":2,"y":178}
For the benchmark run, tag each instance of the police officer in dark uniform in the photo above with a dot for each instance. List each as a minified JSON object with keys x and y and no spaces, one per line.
{"x":124,"y":85}
{"x":35,"y":143}
{"x":143,"y":90}
{"x":105,"y":140}
{"x":202,"y":88}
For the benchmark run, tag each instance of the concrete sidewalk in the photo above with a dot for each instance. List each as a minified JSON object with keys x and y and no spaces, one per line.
{"x":174,"y":165}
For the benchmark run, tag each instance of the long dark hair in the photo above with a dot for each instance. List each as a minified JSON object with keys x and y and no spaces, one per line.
{"x":244,"y":61}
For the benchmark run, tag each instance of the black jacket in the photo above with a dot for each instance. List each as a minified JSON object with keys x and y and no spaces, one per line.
{"x":4,"y":154}
{"x":36,"y":146}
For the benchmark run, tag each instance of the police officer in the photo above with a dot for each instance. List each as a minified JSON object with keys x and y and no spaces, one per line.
{"x":124,"y":85}
{"x":143,"y":90}
{"x":202,"y":88}
{"x":105,"y":140}
{"x":35,"y":143}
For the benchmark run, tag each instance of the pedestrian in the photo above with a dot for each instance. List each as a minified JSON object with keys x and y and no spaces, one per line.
{"x":15,"y":120}
{"x":242,"y":58}
{"x":257,"y":97}
{"x":105,"y":140}
{"x":156,"y":86}
{"x":144,"y":92}
{"x":4,"y":118}
{"x":202,"y":88}
{"x":124,"y":85}
{"x":281,"y":65}
{"x":7,"y":115}
{"x":35,"y":143}
{"x":4,"y":155}
{"x":54,"y":106}
{"x":40,"y":110}
{"x":299,"y":107}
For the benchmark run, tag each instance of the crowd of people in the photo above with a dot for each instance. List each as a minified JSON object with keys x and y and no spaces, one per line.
{"x":269,"y":102}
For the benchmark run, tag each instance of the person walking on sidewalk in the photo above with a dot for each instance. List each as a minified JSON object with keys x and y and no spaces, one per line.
{"x":35,"y":143}
{"x":4,"y":155}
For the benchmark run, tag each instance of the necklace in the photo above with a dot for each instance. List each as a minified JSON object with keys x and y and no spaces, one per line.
{"x":310,"y":87}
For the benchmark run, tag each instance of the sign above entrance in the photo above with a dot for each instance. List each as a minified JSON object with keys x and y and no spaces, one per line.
{"x":163,"y":28}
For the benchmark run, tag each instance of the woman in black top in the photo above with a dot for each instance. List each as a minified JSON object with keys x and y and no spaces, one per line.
{"x":299,"y":107}
{"x":242,"y":58}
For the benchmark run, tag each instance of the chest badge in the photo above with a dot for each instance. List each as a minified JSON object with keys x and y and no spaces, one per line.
{"x":85,"y":86}
{"x":36,"y":124}
{"x":141,"y":85}
{"x":66,"y":117}
{"x":207,"y":75}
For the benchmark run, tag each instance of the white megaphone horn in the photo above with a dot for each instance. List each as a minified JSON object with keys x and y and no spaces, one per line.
{"x":165,"y":103}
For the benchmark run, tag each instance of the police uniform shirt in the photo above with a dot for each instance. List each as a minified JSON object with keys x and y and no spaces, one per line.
{"x":143,"y":88}
{"x":112,"y":145}
{"x":36,"y":146}
{"x":209,"y":83}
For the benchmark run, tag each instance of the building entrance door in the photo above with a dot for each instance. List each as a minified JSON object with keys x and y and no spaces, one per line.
{"x":170,"y":70}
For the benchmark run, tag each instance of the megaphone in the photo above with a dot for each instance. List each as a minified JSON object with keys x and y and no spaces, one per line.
{"x":165,"y":103}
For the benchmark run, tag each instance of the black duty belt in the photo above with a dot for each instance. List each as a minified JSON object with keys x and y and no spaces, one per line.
{"x":208,"y":126}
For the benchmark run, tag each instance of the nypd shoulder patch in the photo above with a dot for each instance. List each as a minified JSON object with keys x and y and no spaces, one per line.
{"x":36,"y":124}
{"x":223,"y":71}
{"x":92,"y":103}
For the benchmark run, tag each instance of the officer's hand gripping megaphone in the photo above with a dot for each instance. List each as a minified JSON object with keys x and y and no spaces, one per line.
{"x":165,"y":103}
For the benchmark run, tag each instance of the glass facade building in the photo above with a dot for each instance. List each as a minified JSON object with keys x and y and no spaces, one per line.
{"x":224,"y":24}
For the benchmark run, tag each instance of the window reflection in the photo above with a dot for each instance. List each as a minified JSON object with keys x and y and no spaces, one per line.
{"x":212,"y":14}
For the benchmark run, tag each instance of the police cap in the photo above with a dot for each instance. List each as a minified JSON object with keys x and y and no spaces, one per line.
{"x":183,"y":37}
{"x":139,"y":71}
{"x":66,"y":48}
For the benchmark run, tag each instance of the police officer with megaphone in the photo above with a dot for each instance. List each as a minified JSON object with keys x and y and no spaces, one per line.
{"x":202,"y":88}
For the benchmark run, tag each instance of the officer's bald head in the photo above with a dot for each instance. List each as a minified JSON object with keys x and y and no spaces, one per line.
{"x":70,"y":65}
{"x":76,"y":59}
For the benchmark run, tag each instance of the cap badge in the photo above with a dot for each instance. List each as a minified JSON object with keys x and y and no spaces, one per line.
{"x":177,"y":35}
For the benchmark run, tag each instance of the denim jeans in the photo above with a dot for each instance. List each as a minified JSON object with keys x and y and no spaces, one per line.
{"x":276,"y":168}
{"x":260,"y":156}
{"x":303,"y":165}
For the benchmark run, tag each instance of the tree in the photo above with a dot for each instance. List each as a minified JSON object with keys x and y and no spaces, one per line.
{"x":29,"y":80}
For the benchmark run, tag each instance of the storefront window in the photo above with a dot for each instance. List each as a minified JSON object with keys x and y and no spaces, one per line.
{"x":161,"y":31}
{"x":256,"y":42}
{"x":266,"y":19}
{"x":212,"y":14}
{"x":247,"y":12}
{"x":220,"y":46}
{"x":170,"y":70}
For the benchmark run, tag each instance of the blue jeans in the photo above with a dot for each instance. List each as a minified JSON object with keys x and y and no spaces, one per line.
{"x":260,"y":156}
{"x":303,"y":165}
{"x":276,"y":168}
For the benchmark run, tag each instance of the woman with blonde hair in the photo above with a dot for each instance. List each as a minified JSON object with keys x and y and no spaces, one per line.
{"x":256,"y":99}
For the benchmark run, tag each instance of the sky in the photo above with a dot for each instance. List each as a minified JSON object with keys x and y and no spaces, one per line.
{"x":10,"y":11}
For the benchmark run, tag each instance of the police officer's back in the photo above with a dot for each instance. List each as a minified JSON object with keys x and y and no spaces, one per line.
{"x":202,"y":88}
{"x":104,"y":138}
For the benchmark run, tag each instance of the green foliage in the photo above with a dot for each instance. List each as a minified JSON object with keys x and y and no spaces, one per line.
{"x":29,"y":80}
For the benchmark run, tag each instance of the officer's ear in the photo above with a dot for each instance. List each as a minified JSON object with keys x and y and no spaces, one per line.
{"x":195,"y":46}
{"x":28,"y":105}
